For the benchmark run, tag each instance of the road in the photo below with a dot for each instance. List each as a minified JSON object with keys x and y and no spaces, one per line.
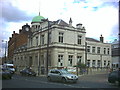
{"x":86,"y":81}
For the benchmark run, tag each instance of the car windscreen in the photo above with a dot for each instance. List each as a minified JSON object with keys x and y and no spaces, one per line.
{"x":10,"y":66}
{"x":64,"y":72}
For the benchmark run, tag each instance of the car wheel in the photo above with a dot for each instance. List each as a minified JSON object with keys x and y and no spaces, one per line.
{"x":63,"y":80}
{"x":27,"y":74}
{"x":34,"y":75}
{"x":10,"y":77}
{"x":116,"y":82}
{"x":119,"y":83}
{"x":49,"y":79}
{"x":22,"y":74}
{"x":75,"y":82}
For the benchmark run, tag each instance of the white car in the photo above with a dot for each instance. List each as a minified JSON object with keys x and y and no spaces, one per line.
{"x":9,"y":67}
{"x":61,"y":75}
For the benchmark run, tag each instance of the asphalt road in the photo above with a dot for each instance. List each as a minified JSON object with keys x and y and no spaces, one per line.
{"x":86,"y":81}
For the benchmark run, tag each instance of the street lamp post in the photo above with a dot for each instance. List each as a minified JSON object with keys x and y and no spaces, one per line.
{"x":101,"y":61}
{"x":39,"y":56}
{"x":119,"y":43}
{"x":86,"y":56}
{"x":5,"y":49}
{"x":47,"y":49}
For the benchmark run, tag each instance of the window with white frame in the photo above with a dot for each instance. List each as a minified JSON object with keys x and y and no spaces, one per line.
{"x":108,"y":63}
{"x":88,"y":63}
{"x":79,"y":39}
{"x":98,"y":50}
{"x":104,"y":50}
{"x":42,"y":60}
{"x":30,"y":61}
{"x":79,"y":59}
{"x":38,"y":27}
{"x":36,"y":60}
{"x":60,"y":60}
{"x":61,"y":37}
{"x":25,"y":59}
{"x":42,"y":39}
{"x":93,"y":49}
{"x":22,"y":61}
{"x":108,"y":51}
{"x":93,"y":63}
{"x":31,"y":40}
{"x":36,"y":41}
{"x":88,"y":48}
{"x":104,"y":63}
{"x":70,"y":60}
{"x":98,"y":63}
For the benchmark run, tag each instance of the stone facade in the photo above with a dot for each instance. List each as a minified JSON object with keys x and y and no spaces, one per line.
{"x":65,"y":47}
{"x":98,"y":53}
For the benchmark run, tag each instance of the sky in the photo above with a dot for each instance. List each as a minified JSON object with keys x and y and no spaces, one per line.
{"x":97,"y":16}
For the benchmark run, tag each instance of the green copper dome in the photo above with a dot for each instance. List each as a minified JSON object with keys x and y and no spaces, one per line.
{"x":37,"y":18}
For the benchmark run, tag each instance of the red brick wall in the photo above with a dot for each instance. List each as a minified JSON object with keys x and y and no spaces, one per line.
{"x":16,"y":41}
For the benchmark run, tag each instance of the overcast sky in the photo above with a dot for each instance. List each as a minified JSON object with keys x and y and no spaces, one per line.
{"x":98,"y":16}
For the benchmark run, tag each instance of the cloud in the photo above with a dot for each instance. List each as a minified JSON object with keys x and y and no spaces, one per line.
{"x":97,"y":3}
{"x":98,"y":16}
{"x":114,"y":4}
{"x":114,"y":32}
{"x":11,"y":13}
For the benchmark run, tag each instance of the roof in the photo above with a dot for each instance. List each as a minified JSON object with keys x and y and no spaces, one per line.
{"x":61,"y":22}
{"x":91,"y":39}
{"x":9,"y":64}
{"x":37,"y":19}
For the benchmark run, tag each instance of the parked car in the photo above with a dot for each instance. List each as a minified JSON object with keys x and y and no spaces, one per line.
{"x":114,"y":77}
{"x":9,"y":67}
{"x":9,"y":70}
{"x":61,"y":75}
{"x":27,"y":72}
{"x":5,"y":74}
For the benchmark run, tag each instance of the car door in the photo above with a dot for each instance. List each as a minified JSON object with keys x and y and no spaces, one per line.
{"x":113,"y":75}
{"x":52,"y":75}
{"x":57,"y":75}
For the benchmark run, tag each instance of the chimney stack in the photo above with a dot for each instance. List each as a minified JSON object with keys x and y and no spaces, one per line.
{"x":10,"y":38}
{"x":20,"y":30}
{"x":79,"y":26}
{"x":13,"y":32}
{"x":101,"y":39}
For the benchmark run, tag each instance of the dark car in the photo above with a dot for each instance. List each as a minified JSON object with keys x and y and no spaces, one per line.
{"x":61,"y":75}
{"x":8,"y":69}
{"x":114,"y":77}
{"x":5,"y":74}
{"x":27,"y":72}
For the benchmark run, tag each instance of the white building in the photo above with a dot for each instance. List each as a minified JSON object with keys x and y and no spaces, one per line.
{"x":98,"y":53}
{"x":64,"y":47}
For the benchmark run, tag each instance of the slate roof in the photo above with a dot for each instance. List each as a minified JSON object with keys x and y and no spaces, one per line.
{"x":61,"y":22}
{"x":91,"y":39}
